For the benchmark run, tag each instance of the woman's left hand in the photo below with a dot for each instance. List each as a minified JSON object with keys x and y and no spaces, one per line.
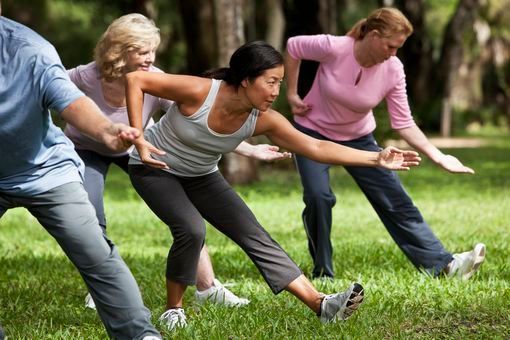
{"x":452,"y":164}
{"x":395,"y":159}
{"x":266,"y":152}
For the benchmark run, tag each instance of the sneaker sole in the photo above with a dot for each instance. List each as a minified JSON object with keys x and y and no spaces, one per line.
{"x":356,"y":297}
{"x":479,"y":250}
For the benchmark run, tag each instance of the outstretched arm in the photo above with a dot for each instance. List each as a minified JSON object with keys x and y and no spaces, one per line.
{"x":417,"y":139}
{"x":282,"y":133}
{"x":84,"y":114}
{"x":263,"y":152}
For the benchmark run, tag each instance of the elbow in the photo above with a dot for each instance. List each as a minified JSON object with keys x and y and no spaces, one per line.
{"x":131,"y":78}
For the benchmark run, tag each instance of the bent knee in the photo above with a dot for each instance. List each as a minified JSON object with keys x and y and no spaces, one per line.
{"x":318,"y":198}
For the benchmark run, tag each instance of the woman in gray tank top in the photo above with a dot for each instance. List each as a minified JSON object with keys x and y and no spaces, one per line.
{"x":174,"y":169}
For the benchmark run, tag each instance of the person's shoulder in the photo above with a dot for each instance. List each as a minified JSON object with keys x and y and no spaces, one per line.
{"x":23,"y":36}
{"x":336,"y":47}
{"x":90,"y":68}
{"x":153,"y":68}
{"x":341,"y":42}
{"x":89,"y":71}
{"x":341,"y":39}
{"x":394,"y":65}
{"x":85,"y":76}
{"x":25,"y":46}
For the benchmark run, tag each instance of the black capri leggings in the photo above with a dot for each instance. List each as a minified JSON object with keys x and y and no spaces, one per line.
{"x":183,"y":203}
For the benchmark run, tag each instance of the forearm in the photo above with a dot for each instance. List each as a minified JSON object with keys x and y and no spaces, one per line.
{"x":245,"y":149}
{"x":84,"y":115}
{"x":291,"y":74}
{"x":332,"y":153}
{"x":134,"y":102}
{"x":417,"y":139}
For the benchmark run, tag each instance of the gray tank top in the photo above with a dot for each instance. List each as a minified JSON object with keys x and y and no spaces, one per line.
{"x":192,"y":148}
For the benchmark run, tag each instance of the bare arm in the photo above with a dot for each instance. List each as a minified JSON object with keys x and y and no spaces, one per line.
{"x":282,"y":133}
{"x":84,"y":114}
{"x":298,"y":107}
{"x":187,"y":91}
{"x":417,"y":139}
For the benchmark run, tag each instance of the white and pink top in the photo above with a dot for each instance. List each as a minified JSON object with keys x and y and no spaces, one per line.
{"x":86,"y":77}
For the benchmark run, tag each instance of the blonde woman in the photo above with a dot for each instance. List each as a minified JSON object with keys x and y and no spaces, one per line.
{"x":130,"y":44}
{"x":356,"y":72}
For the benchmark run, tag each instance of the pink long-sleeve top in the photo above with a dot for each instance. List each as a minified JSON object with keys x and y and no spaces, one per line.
{"x":341,"y":109}
{"x":86,"y":77}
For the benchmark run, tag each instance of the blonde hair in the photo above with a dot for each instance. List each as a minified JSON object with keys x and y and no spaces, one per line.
{"x":127,"y":33}
{"x":387,"y":21}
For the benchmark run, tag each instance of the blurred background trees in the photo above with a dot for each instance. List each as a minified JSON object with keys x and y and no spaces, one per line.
{"x":457,"y":61}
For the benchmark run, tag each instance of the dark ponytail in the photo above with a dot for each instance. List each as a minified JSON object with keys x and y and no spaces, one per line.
{"x":217,"y":73}
{"x":248,"y":62}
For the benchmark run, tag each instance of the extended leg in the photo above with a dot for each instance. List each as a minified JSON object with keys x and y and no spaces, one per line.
{"x":69,"y":217}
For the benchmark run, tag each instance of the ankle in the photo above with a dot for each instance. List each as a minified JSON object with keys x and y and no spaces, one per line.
{"x":448,"y":267}
{"x":169,"y":307}
{"x":205,"y":286}
{"x":320,"y":299}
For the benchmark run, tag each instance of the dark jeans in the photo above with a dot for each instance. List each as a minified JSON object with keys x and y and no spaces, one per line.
{"x":184,"y":202}
{"x":96,"y":168}
{"x":386,"y":195}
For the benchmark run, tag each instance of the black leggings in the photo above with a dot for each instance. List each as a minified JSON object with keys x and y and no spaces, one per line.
{"x":183,"y":203}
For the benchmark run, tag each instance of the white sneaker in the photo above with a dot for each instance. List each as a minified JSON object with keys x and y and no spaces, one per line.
{"x":464,"y":265}
{"x":340,"y":306}
{"x":151,"y":337}
{"x":89,"y":302}
{"x":219,"y":294}
{"x":174,"y":317}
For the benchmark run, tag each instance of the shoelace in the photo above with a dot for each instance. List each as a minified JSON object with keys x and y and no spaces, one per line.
{"x":176,"y":316}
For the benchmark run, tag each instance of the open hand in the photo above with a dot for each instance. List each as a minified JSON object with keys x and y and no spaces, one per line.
{"x":396,"y":159}
{"x":266,"y":152}
{"x":146,"y":150}
{"x":452,"y":164}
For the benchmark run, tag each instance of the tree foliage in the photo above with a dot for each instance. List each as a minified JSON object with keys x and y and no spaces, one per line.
{"x":457,"y":61}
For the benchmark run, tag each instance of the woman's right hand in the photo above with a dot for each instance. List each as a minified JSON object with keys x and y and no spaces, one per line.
{"x":146,"y":150}
{"x":297,"y":105}
{"x":395,"y":159}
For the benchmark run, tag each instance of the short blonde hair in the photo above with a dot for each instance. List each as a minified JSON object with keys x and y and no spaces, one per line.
{"x":127,"y":33}
{"x":387,"y":21}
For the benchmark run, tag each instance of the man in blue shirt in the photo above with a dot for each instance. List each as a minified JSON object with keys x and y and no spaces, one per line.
{"x":41,"y":171}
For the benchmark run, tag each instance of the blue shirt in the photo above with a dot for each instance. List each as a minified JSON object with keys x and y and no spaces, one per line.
{"x":35,"y":155}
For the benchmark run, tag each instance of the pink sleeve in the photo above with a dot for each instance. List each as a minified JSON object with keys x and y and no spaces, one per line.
{"x":310,"y":47}
{"x":397,"y":103}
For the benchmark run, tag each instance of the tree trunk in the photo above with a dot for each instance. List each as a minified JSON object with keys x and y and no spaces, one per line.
{"x":417,"y":53}
{"x":328,"y":16}
{"x":198,"y":18}
{"x":452,"y":55}
{"x":302,"y":17}
{"x":275,"y":23}
{"x":237,"y":169}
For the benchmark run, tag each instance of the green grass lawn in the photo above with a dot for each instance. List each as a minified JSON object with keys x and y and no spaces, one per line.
{"x":42,"y":295}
